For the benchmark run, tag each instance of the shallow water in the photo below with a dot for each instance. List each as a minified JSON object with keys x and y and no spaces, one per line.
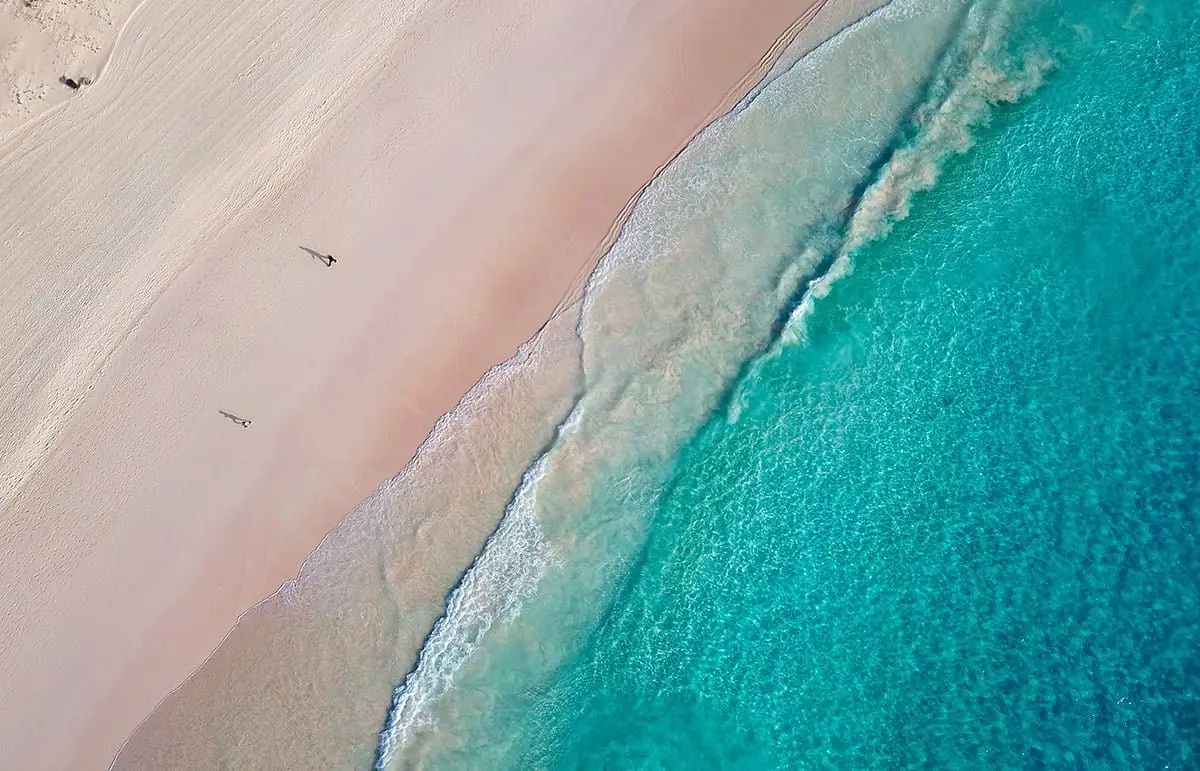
{"x":936,"y":510}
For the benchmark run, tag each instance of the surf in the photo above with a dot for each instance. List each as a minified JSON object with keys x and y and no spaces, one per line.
{"x":654,"y":368}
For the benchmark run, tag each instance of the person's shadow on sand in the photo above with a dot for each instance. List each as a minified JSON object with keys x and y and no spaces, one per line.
{"x":326,"y":259}
{"x":240,"y":421}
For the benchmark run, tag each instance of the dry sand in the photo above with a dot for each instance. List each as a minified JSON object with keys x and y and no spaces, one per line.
{"x":463,"y":160}
{"x":42,"y":41}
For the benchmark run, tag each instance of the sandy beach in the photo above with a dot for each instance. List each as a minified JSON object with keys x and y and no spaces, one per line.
{"x":43,"y":42}
{"x":465,"y":163}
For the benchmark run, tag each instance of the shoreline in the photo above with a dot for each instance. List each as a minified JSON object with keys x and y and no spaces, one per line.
{"x":169,"y":734}
{"x":145,"y":497}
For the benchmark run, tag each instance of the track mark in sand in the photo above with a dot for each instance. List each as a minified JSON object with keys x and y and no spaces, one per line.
{"x":192,"y":125}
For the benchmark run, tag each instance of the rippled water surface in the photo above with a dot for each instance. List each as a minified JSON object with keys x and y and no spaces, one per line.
{"x":898,"y":465}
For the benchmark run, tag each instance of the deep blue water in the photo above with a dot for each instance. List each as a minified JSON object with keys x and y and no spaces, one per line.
{"x":956,"y":527}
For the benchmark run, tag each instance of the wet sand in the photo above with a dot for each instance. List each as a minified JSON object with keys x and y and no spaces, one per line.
{"x":463,"y":162}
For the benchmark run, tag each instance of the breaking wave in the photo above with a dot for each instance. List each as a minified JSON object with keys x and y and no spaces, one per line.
{"x":978,"y":74}
{"x":969,"y":79}
{"x":506,"y":572}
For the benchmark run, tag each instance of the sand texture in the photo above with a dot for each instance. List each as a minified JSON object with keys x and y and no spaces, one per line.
{"x":43,"y":41}
{"x":464,"y":162}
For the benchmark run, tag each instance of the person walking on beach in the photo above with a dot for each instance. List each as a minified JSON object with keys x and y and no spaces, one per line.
{"x":240,"y":421}
{"x":327,"y":259}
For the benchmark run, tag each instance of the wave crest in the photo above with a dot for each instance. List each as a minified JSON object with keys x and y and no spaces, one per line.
{"x":975,"y":78}
{"x":507,"y":571}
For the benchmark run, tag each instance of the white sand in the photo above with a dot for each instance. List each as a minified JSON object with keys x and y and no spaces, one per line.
{"x":464,"y":161}
{"x":42,"y":41}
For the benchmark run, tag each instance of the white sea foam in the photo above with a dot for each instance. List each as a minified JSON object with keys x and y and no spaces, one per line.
{"x":963,"y":97}
{"x":624,"y":364}
{"x":507,"y":571}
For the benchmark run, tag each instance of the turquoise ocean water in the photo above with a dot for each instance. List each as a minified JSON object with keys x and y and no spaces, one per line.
{"x":889,"y":454}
